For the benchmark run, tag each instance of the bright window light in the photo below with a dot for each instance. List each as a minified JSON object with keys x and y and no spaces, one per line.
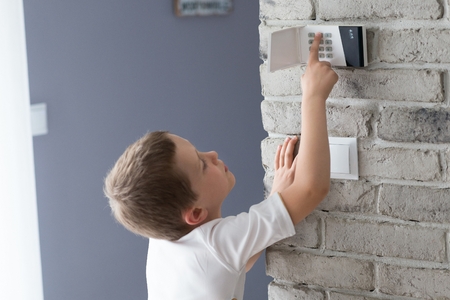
{"x":20,"y":263}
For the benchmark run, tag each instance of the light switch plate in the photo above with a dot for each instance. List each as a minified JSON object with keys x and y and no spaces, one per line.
{"x":38,"y":119}
{"x":340,"y":159}
{"x":342,"y":46}
{"x":344,"y":158}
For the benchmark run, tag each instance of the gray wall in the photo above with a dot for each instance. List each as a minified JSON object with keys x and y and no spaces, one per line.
{"x":109,"y":71}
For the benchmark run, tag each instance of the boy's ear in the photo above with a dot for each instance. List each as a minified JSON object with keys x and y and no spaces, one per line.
{"x":195,"y":215}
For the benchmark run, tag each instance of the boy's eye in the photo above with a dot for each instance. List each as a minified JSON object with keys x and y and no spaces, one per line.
{"x":204,"y":163}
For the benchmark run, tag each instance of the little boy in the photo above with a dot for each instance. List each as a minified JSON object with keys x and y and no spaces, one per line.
{"x":164,"y":189}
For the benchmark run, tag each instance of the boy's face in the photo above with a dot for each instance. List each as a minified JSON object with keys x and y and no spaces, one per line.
{"x":209,"y":176}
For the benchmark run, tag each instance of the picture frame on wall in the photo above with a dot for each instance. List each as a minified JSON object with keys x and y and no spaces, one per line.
{"x":190,"y":8}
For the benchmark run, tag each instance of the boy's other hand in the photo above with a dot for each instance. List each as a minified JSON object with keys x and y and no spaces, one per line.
{"x":319,"y":78}
{"x":284,"y":165}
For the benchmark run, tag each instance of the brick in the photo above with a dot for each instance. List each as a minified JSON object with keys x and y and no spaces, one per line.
{"x":307,"y":233}
{"x":281,"y":117}
{"x":423,"y":204}
{"x":333,"y":272}
{"x":412,"y":282}
{"x":349,"y":121}
{"x":288,"y":292}
{"x":447,"y":161}
{"x":426,"y":125}
{"x":380,"y":9}
{"x":346,"y":121}
{"x":382,"y":84}
{"x":350,"y":196}
{"x":286,"y":10}
{"x":390,"y":84}
{"x":399,"y":163}
{"x":385,"y":239}
{"x":417,"y":45}
{"x":372,"y":50}
{"x":448,"y":3}
{"x":339,"y":296}
{"x":281,"y":83}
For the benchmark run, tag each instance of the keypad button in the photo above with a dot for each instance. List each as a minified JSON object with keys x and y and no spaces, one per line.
{"x":324,"y":52}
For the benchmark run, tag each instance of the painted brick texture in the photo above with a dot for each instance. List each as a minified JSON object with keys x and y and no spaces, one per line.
{"x":419,"y":45}
{"x":428,"y":125}
{"x":286,"y":9}
{"x":420,"y":204}
{"x":386,"y":235}
{"x":278,"y":291}
{"x":417,"y":283}
{"x":381,"y":9}
{"x":424,"y":85}
{"x":286,"y":264}
{"x":385,"y":239}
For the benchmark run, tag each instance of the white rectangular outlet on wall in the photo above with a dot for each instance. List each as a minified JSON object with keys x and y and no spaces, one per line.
{"x":39,"y":119}
{"x":343,"y":158}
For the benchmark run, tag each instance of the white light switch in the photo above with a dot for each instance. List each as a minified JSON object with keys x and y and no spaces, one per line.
{"x":340,"y":159}
{"x":39,"y":119}
{"x":343,"y":158}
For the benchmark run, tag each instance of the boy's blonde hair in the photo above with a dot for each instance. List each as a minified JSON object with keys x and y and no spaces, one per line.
{"x":147,"y":192}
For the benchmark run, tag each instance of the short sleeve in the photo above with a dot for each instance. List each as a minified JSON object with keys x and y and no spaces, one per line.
{"x":234,"y":240}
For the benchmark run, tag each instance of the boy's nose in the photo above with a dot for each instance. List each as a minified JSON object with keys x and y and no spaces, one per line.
{"x":214,"y":156}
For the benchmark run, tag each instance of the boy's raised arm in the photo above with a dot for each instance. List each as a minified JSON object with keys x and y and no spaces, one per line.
{"x":312,"y":165}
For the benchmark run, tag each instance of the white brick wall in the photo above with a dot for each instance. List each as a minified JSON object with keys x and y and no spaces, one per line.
{"x":387,"y":235}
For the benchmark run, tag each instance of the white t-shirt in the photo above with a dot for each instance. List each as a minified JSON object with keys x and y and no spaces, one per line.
{"x":209,"y":262}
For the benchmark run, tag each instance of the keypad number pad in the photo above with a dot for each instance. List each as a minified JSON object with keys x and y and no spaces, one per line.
{"x":326,"y":44}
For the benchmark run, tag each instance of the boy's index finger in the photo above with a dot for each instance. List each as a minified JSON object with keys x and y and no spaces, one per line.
{"x":314,"y":50}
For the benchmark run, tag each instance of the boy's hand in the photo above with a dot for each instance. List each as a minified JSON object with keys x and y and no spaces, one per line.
{"x":319,"y":78}
{"x":284,"y":165}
